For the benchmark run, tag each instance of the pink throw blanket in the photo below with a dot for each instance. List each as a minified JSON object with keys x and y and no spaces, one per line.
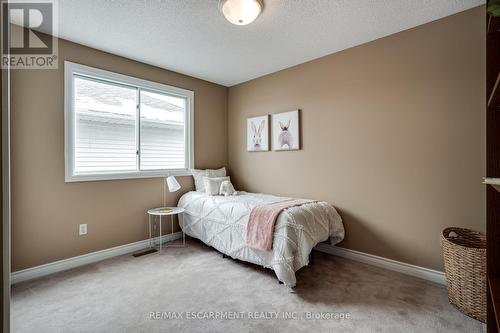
{"x":260,"y":227}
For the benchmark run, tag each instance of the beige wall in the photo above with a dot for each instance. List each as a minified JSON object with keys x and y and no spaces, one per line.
{"x":393,"y":134}
{"x":46,"y":211}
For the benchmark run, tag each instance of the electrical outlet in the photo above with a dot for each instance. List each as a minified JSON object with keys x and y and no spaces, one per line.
{"x":83,"y":229}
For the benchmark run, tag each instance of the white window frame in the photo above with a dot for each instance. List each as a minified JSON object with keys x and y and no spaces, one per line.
{"x":70,"y":70}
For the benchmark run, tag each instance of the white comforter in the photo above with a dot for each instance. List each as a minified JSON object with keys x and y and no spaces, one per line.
{"x":221,"y":223}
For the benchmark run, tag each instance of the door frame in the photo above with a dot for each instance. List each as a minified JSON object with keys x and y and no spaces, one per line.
{"x":6,"y":191}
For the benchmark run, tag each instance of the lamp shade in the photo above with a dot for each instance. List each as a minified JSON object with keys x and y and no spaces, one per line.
{"x":173,"y":184}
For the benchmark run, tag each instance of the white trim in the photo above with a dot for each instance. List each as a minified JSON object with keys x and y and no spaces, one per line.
{"x":71,"y":69}
{"x":128,"y":175}
{"x":370,"y":259}
{"x":393,"y":265}
{"x":65,"y":264}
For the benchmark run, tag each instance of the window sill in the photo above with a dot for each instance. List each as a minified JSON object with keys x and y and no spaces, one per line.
{"x":125,"y":175}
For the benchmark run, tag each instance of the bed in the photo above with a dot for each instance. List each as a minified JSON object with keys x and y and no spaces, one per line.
{"x":220,"y":222}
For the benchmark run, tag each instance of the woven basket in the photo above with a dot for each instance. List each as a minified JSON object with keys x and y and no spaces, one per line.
{"x":464,"y":253}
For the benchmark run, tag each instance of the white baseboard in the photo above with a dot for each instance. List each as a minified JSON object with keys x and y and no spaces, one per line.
{"x":370,"y":259}
{"x":393,"y":265}
{"x":65,"y":264}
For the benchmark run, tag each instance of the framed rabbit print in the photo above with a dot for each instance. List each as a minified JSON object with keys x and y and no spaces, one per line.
{"x":258,"y":133}
{"x":286,"y":135}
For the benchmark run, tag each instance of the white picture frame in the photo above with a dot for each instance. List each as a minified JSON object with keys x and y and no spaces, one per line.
{"x":258,"y":133}
{"x":286,"y":131}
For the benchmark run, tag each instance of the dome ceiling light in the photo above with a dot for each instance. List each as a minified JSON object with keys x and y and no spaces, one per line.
{"x":241,"y":12}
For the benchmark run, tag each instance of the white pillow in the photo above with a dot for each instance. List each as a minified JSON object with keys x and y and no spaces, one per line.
{"x":226,"y":188}
{"x":198,"y":179}
{"x":212,"y":185}
{"x":199,"y":174}
{"x":217,"y":173}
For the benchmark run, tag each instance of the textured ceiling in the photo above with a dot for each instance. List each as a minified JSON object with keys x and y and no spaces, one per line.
{"x":192,"y":36}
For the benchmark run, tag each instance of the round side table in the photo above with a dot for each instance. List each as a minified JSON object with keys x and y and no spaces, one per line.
{"x":160,"y":213}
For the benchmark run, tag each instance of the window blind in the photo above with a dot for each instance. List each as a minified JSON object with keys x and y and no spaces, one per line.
{"x":162,"y":131}
{"x":105,"y":116}
{"x":119,"y":128}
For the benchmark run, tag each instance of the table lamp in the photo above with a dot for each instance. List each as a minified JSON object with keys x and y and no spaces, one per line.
{"x":173,"y":186}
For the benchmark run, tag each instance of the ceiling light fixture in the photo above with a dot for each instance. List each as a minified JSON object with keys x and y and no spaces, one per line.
{"x":241,"y":12}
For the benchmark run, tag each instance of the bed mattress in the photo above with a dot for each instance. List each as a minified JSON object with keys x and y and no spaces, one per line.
{"x":221,"y":221}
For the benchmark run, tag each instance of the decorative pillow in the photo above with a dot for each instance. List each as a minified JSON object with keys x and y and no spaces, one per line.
{"x":226,"y":188}
{"x":212,"y":185}
{"x":199,"y":174}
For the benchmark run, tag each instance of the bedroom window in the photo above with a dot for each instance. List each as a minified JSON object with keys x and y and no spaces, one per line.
{"x":119,"y":127}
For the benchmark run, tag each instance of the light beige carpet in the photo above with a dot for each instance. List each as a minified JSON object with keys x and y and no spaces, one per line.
{"x":118,"y":295}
